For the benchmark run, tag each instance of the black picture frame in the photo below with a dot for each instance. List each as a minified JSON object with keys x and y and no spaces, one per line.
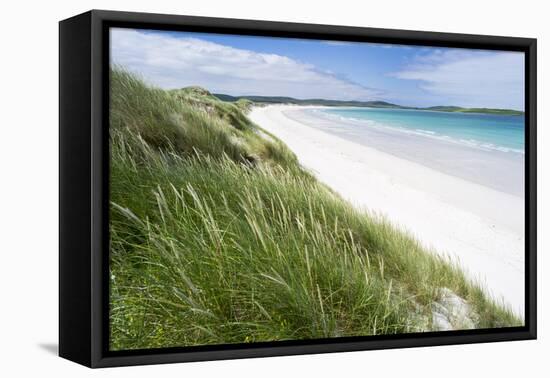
{"x":84,"y":174}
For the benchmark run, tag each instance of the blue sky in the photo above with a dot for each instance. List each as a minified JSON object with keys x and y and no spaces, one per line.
{"x":242,"y":65}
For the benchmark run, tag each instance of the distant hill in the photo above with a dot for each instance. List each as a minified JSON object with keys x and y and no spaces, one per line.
{"x":313,"y":101}
{"x":367,"y":104}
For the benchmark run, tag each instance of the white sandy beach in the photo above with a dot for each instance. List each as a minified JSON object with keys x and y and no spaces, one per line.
{"x":481,"y":227}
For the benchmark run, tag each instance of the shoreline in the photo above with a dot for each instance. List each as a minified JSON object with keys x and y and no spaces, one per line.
{"x":478,"y":225}
{"x":503,"y":171}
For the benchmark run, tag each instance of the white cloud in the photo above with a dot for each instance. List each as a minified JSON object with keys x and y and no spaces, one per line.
{"x":470,"y":78}
{"x":174,"y":62}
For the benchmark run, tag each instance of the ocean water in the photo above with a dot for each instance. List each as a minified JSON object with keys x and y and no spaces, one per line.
{"x":485,"y":131}
{"x":485,"y":149}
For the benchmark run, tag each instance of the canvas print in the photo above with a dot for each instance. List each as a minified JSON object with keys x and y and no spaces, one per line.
{"x":270,"y":189}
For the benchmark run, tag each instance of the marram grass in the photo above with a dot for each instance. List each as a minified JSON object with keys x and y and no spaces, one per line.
{"x":219,"y":236}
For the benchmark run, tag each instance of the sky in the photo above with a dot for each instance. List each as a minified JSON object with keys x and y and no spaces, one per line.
{"x":247,"y":65}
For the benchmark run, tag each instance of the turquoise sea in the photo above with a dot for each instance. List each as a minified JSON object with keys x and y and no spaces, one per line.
{"x":504,"y":133}
{"x":486,"y":149}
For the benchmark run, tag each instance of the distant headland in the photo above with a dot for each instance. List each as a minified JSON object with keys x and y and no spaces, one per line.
{"x":368,"y":104}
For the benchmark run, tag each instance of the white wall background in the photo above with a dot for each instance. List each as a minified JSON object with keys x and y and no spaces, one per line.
{"x":28,"y":188}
